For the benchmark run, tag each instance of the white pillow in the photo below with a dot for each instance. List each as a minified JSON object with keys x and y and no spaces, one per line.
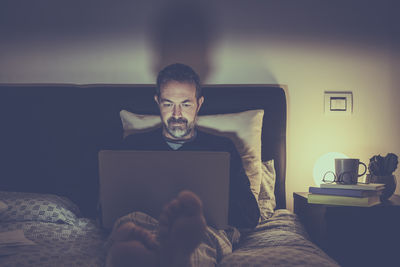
{"x":135,"y":123}
{"x":3,"y":206}
{"x":243,"y":128}
{"x":266,"y":198}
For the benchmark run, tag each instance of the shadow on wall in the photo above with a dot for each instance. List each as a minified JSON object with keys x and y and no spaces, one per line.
{"x":183,"y":32}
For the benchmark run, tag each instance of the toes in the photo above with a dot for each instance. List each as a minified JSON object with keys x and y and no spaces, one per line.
{"x":172,"y":209}
{"x":181,"y":217}
{"x":131,"y":232}
{"x":181,"y":229}
{"x":123,"y":232}
{"x":186,"y":204}
{"x":169,"y":213}
{"x":190,"y":203}
{"x":145,"y":237}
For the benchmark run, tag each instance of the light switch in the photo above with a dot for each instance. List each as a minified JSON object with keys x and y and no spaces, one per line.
{"x":338,"y":102}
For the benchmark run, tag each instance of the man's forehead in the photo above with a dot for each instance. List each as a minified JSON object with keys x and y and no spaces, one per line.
{"x":174,"y":89}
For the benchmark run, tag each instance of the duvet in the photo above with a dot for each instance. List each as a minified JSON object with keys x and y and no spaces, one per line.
{"x":61,"y":237}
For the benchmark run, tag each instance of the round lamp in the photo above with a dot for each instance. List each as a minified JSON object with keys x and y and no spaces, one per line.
{"x":324,"y":164}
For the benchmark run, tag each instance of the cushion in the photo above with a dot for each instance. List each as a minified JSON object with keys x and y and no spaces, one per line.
{"x":38,"y":207}
{"x":243,"y":128}
{"x":266,"y":198}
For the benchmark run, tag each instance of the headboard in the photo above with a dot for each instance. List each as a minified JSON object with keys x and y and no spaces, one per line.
{"x":51,"y":133}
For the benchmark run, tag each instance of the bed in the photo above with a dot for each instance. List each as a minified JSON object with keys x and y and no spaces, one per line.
{"x":51,"y":134}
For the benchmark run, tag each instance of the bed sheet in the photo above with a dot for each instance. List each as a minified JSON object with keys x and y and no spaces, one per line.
{"x":62,"y":238}
{"x":278,"y":241}
{"x":57,"y":244}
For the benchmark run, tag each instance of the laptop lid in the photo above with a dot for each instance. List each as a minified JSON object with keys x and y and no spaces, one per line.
{"x":147,"y":180}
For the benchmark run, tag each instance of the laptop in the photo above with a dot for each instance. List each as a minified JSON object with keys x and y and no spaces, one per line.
{"x":147,"y":180}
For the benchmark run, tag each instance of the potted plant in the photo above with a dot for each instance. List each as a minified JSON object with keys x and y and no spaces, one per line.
{"x":381,"y":171}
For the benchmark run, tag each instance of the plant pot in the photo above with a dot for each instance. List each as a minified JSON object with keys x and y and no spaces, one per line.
{"x":389,"y":181}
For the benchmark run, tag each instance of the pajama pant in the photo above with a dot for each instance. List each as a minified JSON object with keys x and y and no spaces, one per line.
{"x":216,"y":244}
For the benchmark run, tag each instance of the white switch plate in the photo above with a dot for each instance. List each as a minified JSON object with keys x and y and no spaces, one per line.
{"x":338,"y":102}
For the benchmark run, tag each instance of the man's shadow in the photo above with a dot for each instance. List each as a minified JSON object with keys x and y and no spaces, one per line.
{"x":183,"y":32}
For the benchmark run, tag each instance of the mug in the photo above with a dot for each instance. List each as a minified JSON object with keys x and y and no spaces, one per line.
{"x":346,"y":171}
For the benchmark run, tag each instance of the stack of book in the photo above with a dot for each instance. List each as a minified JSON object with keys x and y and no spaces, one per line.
{"x":361,"y":195}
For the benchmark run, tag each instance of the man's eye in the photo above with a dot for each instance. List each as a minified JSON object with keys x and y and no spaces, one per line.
{"x":166,"y":105}
{"x":186,"y":105}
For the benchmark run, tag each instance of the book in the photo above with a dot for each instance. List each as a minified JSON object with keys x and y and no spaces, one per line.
{"x":343,"y":200}
{"x":343,"y":192}
{"x":359,"y":186}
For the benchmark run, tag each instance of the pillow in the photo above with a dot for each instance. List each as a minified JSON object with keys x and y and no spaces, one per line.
{"x":266,"y":198}
{"x":243,"y":128}
{"x":136,"y":123}
{"x":38,"y":207}
{"x":3,"y":207}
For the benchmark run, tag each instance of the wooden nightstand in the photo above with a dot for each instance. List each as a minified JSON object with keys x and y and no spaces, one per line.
{"x":354,"y":236}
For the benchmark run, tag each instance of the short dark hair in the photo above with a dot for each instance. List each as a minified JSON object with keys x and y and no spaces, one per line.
{"x":181,"y":73}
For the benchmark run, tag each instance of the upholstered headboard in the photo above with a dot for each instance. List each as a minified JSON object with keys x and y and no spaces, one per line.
{"x":51,"y":133}
{"x":270,"y":98}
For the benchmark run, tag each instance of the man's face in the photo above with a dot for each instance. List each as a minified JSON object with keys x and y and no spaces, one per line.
{"x":178,"y":109}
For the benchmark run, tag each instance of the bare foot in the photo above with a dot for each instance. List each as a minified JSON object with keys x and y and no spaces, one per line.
{"x":133,"y":246}
{"x":182,"y":227}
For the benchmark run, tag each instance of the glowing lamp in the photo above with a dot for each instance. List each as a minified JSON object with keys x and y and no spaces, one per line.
{"x":324,"y":164}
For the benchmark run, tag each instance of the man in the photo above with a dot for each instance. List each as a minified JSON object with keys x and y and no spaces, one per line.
{"x":183,"y":238}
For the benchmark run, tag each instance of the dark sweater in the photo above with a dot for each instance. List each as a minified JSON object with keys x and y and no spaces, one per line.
{"x":243,"y":207}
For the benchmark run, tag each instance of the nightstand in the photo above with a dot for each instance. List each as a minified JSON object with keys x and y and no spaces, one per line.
{"x":354,"y":236}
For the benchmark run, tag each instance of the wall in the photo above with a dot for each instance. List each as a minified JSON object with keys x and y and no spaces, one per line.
{"x":311,"y":46}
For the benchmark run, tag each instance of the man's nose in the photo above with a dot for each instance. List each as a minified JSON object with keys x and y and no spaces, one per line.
{"x":177,"y":111}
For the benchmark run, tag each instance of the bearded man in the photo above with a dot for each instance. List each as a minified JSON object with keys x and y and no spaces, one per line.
{"x":180,"y":237}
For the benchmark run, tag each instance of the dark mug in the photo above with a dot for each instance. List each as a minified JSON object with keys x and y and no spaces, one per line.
{"x":346,"y":171}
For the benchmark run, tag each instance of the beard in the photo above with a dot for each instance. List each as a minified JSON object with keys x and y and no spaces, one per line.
{"x":179,"y":131}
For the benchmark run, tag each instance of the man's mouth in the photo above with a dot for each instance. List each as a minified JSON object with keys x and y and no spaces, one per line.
{"x":180,"y":121}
